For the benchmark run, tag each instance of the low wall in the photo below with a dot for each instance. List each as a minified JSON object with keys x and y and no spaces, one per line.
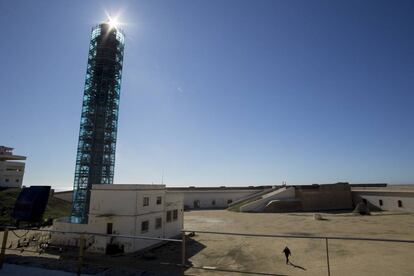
{"x":283,"y":206}
{"x":63,"y":224}
{"x":66,"y":196}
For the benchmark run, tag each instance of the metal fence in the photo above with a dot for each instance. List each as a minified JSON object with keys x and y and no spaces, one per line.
{"x":184,"y":264}
{"x":81,"y":244}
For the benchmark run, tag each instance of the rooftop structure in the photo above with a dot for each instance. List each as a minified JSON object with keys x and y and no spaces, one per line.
{"x":11,"y":172}
{"x":6,"y":154}
{"x":95,"y":160}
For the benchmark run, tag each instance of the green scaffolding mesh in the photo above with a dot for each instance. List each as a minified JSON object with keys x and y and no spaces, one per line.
{"x":95,"y":160}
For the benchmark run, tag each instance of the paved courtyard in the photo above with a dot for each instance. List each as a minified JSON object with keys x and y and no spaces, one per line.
{"x":252,"y":254}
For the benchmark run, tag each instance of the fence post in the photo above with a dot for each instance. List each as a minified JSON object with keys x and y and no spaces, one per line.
{"x":3,"y":247}
{"x":183,"y":255}
{"x":327,"y":256}
{"x":81,"y":250}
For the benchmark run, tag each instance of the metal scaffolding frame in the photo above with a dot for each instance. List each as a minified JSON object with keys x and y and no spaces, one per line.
{"x":95,"y":160}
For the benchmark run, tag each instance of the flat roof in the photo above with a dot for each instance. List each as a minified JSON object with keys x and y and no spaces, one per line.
{"x":193,"y":188}
{"x":5,"y":157}
{"x":127,"y":186}
{"x":406,"y":190}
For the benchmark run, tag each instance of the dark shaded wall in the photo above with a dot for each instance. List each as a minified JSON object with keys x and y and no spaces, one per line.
{"x":325,"y":197}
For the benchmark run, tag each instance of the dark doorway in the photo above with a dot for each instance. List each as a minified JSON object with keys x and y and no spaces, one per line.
{"x":196,"y":204}
{"x":109,"y":228}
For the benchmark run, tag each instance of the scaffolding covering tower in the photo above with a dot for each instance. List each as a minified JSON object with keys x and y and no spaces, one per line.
{"x":95,"y":160}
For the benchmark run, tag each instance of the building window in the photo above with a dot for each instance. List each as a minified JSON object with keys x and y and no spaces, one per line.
{"x":158,"y":223}
{"x":400,"y":203}
{"x":17,"y":180}
{"x":213,"y":202}
{"x":109,"y":228}
{"x":175,"y":214}
{"x":229,"y":201}
{"x":146,"y":201}
{"x":168,"y":216}
{"x":144,"y":226}
{"x":159,"y":200}
{"x":380,"y":202}
{"x":7,"y":180}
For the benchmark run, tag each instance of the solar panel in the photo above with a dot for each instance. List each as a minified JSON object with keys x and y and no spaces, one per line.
{"x":31,"y":204}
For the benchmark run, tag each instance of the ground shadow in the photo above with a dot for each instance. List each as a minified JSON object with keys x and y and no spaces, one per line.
{"x":164,"y":259}
{"x":51,"y":263}
{"x":296,"y":266}
{"x":238,"y":271}
{"x":203,"y":209}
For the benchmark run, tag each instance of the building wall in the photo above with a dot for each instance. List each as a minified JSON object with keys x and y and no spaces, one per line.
{"x":124,"y":207}
{"x":129,"y":201}
{"x":174,"y":201}
{"x":63,"y":224}
{"x":11,"y":174}
{"x":389,"y":200}
{"x":213,"y":198}
{"x":325,"y":197}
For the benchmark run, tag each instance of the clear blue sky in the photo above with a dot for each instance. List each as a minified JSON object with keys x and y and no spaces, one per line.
{"x":219,"y":92}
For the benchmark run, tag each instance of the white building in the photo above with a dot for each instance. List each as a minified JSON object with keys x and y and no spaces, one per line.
{"x":11,"y":171}
{"x":133,"y":210}
{"x":390,"y":198}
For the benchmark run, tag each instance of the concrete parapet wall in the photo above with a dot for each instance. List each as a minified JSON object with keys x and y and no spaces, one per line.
{"x":283,"y":206}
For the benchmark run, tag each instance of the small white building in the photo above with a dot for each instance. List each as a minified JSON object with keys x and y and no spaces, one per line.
{"x":11,"y":171}
{"x":133,"y":210}
{"x":391,"y":198}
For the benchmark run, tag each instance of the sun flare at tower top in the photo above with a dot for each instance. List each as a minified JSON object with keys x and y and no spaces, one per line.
{"x":113,"y":22}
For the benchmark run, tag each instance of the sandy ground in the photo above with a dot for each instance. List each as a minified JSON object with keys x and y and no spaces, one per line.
{"x":265,"y":255}
{"x":253,"y":254}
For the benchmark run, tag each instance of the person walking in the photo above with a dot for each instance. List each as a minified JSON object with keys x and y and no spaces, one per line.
{"x":287,"y":254}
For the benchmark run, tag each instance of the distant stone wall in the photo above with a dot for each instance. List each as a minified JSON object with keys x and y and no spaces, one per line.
{"x":213,"y":198}
{"x":325,"y":197}
{"x":66,"y":196}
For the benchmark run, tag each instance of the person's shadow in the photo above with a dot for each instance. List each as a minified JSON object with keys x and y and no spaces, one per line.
{"x":297,"y":266}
